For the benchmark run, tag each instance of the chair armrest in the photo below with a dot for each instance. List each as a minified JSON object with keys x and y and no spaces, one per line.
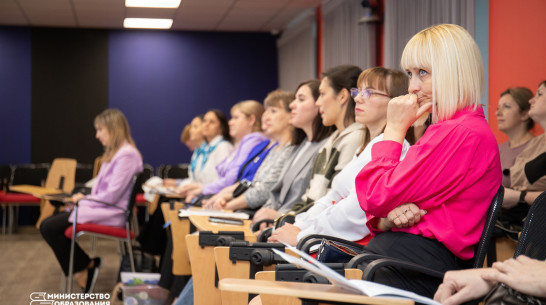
{"x":372,"y":267}
{"x":256,"y":226}
{"x":363,"y":258}
{"x":102,"y":202}
{"x":308,"y":241}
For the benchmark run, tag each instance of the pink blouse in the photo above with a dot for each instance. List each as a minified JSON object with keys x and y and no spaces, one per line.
{"x":452,"y":172}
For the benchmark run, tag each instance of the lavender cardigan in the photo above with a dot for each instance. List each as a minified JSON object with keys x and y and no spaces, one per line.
{"x":113,"y":186}
{"x":229,"y":167}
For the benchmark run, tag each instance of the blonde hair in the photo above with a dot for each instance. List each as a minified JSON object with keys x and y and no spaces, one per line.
{"x":249,"y":108}
{"x":185,"y":135}
{"x":279,"y":98}
{"x":454,"y":61}
{"x":116,"y":124}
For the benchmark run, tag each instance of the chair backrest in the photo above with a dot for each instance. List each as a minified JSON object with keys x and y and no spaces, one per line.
{"x":179,"y":171}
{"x":5,"y":176}
{"x":84,"y":173}
{"x":487,"y":234}
{"x":33,"y":174}
{"x":62,"y":174}
{"x":147,"y":173}
{"x":160,"y":171}
{"x":137,"y":181}
{"x":532,"y":241}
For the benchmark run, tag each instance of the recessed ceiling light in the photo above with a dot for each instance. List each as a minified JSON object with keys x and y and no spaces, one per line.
{"x":153,"y":3}
{"x":147,"y":23}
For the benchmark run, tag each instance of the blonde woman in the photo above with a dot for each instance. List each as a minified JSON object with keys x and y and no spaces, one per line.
{"x":245,"y":128}
{"x":452,"y":172}
{"x":120,"y":162}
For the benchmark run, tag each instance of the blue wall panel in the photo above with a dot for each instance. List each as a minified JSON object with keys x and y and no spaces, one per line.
{"x":15,"y":95}
{"x":161,"y":80}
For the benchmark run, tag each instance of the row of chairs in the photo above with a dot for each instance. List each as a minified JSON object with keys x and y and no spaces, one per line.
{"x":42,"y":174}
{"x":37,"y":174}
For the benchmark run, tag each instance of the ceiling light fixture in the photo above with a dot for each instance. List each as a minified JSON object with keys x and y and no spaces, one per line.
{"x":153,"y":3}
{"x":147,"y":23}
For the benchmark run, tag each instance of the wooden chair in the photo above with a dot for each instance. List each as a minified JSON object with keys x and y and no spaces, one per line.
{"x":61,"y":176}
{"x":26,"y":174}
{"x":203,"y":271}
{"x":233,"y":269}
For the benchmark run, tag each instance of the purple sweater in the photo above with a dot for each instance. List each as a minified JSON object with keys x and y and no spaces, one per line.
{"x":229,"y":167}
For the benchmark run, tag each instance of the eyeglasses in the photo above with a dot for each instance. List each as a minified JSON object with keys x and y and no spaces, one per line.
{"x":365,"y":93}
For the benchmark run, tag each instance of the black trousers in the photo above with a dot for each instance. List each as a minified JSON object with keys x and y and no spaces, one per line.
{"x":419,"y":250}
{"x":169,"y":281}
{"x":52,"y":229}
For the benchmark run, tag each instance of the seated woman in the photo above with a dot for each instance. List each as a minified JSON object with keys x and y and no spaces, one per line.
{"x":192,"y":135}
{"x":245,"y":128}
{"x":338,"y":213}
{"x":120,"y":162}
{"x":528,"y":174}
{"x":217,"y":147}
{"x":523,"y":274}
{"x":336,"y":108}
{"x":310,"y":135}
{"x":276,"y":126}
{"x":452,"y":172}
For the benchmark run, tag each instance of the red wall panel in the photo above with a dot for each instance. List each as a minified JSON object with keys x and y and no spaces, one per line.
{"x":517,"y":49}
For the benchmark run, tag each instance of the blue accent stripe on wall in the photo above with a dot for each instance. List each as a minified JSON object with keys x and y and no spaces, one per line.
{"x":15,"y":95}
{"x":161,"y":80}
{"x":482,"y":39}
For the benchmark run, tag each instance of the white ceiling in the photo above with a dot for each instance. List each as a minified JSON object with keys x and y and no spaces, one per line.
{"x":200,"y":15}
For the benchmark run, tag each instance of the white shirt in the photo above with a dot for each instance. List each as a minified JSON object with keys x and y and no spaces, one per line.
{"x":338,"y":213}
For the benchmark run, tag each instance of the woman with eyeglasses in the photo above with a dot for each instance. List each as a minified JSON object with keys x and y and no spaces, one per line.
{"x":453,"y":172}
{"x":338,"y":213}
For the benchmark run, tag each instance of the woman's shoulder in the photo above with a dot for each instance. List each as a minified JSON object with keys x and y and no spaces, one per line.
{"x":535,"y":146}
{"x":225,"y":145}
{"x":127,"y":150}
{"x":254,"y":136}
{"x":351,"y":135}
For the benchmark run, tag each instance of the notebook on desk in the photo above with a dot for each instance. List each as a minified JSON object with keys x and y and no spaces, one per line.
{"x":357,"y":286}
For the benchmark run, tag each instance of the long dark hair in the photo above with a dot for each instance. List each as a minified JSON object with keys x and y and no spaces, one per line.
{"x":344,"y":77}
{"x":224,"y":126}
{"x":320,"y":132}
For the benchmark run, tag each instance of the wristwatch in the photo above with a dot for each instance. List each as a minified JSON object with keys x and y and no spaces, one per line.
{"x":522,"y":197}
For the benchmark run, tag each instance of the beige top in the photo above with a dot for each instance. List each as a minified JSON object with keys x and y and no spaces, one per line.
{"x":518,"y":177}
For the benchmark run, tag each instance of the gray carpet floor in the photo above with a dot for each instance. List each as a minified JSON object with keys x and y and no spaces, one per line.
{"x":28,"y":265}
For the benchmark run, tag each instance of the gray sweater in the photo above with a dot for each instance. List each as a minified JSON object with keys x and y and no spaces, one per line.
{"x":267,"y":175}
